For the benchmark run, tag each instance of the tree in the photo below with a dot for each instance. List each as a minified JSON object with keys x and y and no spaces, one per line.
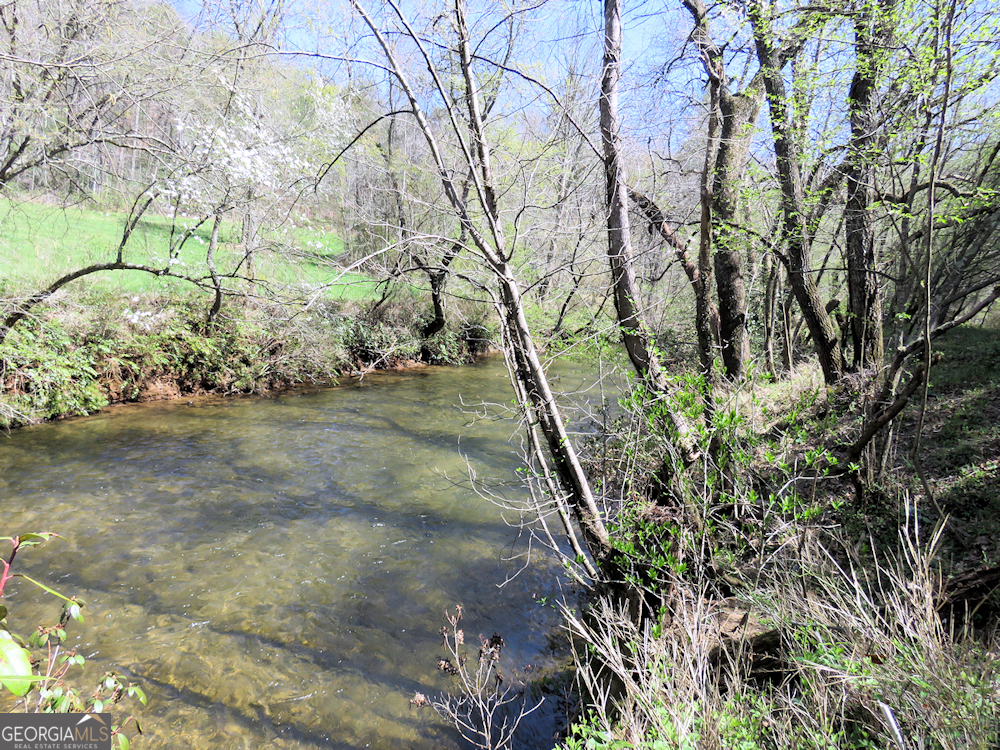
{"x":736,"y":111}
{"x":77,"y":73}
{"x":873,"y":33}
{"x":942,"y":228}
{"x":901,"y":122}
{"x":635,"y":333}
{"x":201,"y":149}
{"x":80,"y":75}
{"x":409,"y":210}
{"x":482,"y":218}
{"x":773,"y":53}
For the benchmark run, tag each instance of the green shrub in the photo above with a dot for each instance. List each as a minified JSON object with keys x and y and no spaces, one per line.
{"x":44,"y":374}
{"x":36,"y":670}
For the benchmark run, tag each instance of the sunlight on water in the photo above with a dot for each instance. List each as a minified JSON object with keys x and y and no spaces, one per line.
{"x":275,"y":571}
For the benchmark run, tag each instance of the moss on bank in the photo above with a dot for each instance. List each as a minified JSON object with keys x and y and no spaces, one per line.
{"x":84,"y":354}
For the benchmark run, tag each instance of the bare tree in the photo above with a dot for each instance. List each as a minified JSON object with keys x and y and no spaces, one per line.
{"x":488,"y":238}
{"x":74,"y":79}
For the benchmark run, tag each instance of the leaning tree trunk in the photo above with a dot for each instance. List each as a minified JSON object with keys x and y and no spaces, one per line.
{"x":635,"y":333}
{"x":486,"y":234}
{"x":699,"y":273}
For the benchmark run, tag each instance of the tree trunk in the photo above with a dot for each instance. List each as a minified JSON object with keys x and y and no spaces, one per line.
{"x":797,"y":260}
{"x":439,"y":286}
{"x":532,"y":376}
{"x":705,"y":310}
{"x":248,"y":232}
{"x":872,"y":35}
{"x":635,"y":333}
{"x":213,"y":245}
{"x":738,"y":113}
{"x":699,"y":273}
{"x":770,"y":274}
{"x":541,"y":409}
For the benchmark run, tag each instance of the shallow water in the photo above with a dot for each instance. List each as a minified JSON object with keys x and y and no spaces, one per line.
{"x":274,"y":571}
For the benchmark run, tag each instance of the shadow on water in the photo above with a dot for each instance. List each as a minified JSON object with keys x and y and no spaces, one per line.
{"x":326,"y":656}
{"x":276,"y":571}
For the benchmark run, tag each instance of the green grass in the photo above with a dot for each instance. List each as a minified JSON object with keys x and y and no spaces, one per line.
{"x":39,"y":243}
{"x":964,"y":402}
{"x":961,"y":439}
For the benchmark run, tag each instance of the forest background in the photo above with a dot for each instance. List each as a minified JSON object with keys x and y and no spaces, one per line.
{"x":768,"y":213}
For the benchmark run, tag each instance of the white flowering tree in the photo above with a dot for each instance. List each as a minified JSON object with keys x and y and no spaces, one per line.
{"x":254,"y":161}
{"x":214,"y":137}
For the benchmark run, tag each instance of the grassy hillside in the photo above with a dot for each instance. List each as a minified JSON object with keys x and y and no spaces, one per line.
{"x":40,"y":243}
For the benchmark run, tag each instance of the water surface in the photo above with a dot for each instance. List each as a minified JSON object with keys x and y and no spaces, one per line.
{"x":274,"y":571}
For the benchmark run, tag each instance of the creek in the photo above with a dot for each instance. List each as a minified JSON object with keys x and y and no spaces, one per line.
{"x":274,"y":571}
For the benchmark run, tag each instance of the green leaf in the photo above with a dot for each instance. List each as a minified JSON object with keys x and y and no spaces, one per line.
{"x":30,"y":540}
{"x":15,"y":666}
{"x":123,"y":742}
{"x":3,"y":611}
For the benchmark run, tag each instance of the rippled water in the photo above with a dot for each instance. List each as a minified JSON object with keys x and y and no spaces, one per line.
{"x":275,"y":571}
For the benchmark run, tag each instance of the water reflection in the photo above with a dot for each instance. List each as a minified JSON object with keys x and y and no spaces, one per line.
{"x":275,"y":571}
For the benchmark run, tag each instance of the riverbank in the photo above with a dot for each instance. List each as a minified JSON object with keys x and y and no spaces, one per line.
{"x":84,"y":353}
{"x":792,"y":605}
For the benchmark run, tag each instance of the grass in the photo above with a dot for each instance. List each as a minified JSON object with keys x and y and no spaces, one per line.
{"x":122,"y":336}
{"x":959,"y":445}
{"x":961,"y":441}
{"x":40,"y":243}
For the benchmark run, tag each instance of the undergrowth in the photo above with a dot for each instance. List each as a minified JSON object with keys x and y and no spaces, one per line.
{"x":80,"y":355}
{"x":823,"y":653}
{"x":763,"y":602}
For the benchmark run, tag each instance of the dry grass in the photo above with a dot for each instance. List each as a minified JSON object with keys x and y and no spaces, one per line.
{"x":825,"y":653}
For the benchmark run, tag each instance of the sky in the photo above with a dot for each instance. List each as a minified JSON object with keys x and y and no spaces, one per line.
{"x":663,"y":87}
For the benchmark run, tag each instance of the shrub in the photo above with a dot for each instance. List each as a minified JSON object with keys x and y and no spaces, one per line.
{"x":857,"y":657}
{"x":35,"y":671}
